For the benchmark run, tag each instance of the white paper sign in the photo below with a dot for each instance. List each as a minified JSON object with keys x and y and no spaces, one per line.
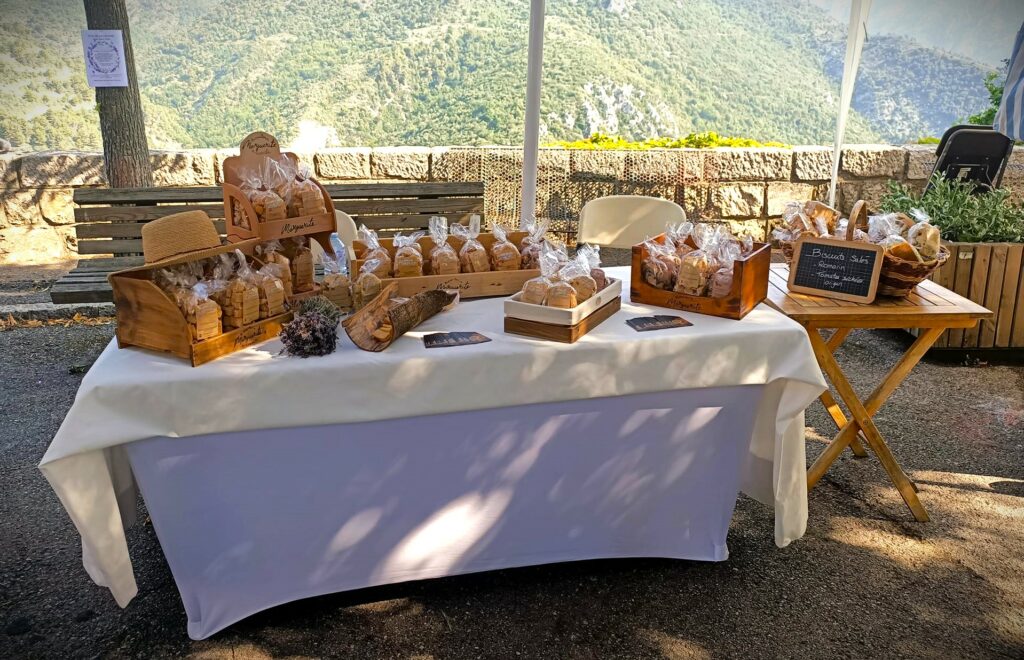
{"x":104,"y":58}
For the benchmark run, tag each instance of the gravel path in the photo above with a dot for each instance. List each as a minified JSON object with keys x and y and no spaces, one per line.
{"x":866,"y":581}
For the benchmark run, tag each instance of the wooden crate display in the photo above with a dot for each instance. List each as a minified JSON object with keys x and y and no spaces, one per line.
{"x":148,"y":317}
{"x":992,"y":275}
{"x":469,"y":285}
{"x":240,"y":218}
{"x":749,"y":286}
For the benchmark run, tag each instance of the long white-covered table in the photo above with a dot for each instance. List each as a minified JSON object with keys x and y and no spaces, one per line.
{"x":271,"y":478}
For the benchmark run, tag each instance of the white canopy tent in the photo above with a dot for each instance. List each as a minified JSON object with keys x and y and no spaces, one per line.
{"x":856,"y":34}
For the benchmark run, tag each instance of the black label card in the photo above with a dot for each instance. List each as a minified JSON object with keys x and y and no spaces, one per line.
{"x":657,"y":322}
{"x":445,"y":339}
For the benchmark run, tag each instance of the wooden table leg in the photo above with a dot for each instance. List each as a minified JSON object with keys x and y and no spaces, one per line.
{"x":862,"y":418}
{"x":827,"y":400}
{"x":874,"y":402}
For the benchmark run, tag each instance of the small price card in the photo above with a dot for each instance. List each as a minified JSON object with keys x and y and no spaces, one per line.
{"x":657,"y":322}
{"x":446,"y":339}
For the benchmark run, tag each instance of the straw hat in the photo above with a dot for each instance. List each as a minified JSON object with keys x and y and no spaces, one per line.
{"x":184,"y":237}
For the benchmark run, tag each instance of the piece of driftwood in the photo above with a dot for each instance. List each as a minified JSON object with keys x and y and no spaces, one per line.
{"x":379,"y":323}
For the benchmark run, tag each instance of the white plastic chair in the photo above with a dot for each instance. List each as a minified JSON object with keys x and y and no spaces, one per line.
{"x":622,"y":221}
{"x":346,"y":232}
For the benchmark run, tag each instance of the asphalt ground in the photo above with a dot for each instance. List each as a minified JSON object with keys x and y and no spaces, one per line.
{"x":866,"y":581}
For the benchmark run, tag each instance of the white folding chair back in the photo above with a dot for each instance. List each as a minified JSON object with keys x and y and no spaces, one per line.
{"x":346,"y":232}
{"x":622,"y":221}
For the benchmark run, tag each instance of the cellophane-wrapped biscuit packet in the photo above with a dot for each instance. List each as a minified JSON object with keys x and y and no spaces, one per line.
{"x":375,"y":251}
{"x":473,"y":257}
{"x":367,"y":286}
{"x":504,"y":254}
{"x":444,"y":260}
{"x":408,"y":255}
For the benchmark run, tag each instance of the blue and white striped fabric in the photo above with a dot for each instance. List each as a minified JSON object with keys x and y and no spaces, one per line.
{"x":1010,"y":116}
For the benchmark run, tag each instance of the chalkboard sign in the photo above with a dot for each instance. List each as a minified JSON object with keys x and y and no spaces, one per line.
{"x":834,"y":268}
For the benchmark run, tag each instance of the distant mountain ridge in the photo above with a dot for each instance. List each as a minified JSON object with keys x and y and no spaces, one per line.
{"x":423,"y":72}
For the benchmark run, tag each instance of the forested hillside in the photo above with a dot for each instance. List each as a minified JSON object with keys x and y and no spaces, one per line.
{"x":424,"y":72}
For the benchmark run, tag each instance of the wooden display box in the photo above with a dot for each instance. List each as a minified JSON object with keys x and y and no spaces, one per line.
{"x":148,"y":317}
{"x":749,"y":286}
{"x":240,"y":219}
{"x":562,"y":325}
{"x":469,"y":285}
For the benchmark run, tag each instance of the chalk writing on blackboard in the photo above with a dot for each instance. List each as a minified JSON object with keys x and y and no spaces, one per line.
{"x":835,"y":268}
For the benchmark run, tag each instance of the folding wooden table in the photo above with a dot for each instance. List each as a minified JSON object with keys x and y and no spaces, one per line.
{"x":930,"y":307}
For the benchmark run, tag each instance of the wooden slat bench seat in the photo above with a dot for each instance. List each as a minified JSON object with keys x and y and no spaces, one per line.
{"x":108,"y":222}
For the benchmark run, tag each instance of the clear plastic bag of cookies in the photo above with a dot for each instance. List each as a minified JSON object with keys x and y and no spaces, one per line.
{"x":444,"y":260}
{"x":592,"y":254}
{"x":473,"y":257}
{"x":408,"y":255}
{"x":660,"y":266}
{"x":530,"y":246}
{"x":924,"y":236}
{"x":374,"y":250}
{"x":267,"y":204}
{"x":300,"y":257}
{"x":577,"y":274}
{"x":270,"y":254}
{"x":679,"y":233}
{"x":504,"y":254}
{"x":367,"y":285}
{"x":535,"y":290}
{"x":306,"y":197}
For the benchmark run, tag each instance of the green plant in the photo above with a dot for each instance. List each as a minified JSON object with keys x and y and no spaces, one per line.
{"x":928,"y":140}
{"x":959,"y":214}
{"x":705,"y":140}
{"x":995,"y":97}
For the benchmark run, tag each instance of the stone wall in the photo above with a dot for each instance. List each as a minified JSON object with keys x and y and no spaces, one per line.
{"x":747,"y":187}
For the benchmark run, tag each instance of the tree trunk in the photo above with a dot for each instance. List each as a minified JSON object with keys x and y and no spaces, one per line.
{"x":125,"y":150}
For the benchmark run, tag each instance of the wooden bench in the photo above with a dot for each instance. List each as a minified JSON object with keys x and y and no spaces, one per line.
{"x":108,"y":222}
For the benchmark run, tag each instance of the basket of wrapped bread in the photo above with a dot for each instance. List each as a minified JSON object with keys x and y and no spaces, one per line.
{"x":913,"y":246}
{"x":703,"y":268}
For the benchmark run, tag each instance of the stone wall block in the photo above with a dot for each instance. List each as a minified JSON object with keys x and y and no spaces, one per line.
{"x":410,"y":163}
{"x":812,"y":163}
{"x":182,"y":168}
{"x":65,"y":168}
{"x":652,"y":167}
{"x":874,"y":160}
{"x":597,"y":165}
{"x":9,"y":165}
{"x":57,"y":207}
{"x":744,"y":164}
{"x":741,"y":200}
{"x":456,"y":164}
{"x":920,"y":160}
{"x":781,"y":192}
{"x":24,"y":245}
{"x":343,"y":164}
{"x":21,"y":207}
{"x":870,"y":191}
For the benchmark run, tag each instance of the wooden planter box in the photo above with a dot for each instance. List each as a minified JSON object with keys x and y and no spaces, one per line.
{"x":749,"y":286}
{"x":469,"y":285}
{"x":990,"y":274}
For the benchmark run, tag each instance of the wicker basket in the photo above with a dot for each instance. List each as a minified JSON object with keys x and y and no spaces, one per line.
{"x":898,"y":276}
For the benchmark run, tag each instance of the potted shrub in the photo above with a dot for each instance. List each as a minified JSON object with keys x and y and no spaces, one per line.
{"x":985,"y":235}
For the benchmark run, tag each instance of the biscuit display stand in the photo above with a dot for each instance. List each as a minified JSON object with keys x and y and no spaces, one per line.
{"x":469,"y":285}
{"x":240,"y":217}
{"x":558,"y":324}
{"x":749,"y":285}
{"x":147,"y":317}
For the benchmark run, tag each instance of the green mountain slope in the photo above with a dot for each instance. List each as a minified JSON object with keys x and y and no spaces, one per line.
{"x":425,"y":72}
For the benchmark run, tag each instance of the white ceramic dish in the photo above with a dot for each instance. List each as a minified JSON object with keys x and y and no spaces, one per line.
{"x":558,"y":316}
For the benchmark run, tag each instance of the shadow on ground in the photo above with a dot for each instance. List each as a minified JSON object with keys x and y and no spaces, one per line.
{"x":866,"y":581}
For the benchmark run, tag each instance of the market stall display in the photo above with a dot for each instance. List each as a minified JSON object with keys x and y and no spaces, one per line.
{"x":720,"y":426}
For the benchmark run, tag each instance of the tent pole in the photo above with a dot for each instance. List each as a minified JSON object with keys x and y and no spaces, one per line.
{"x":855,"y":35}
{"x":531,"y":135}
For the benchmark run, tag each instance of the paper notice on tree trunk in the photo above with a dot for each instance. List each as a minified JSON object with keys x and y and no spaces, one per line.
{"x":104,"y":58}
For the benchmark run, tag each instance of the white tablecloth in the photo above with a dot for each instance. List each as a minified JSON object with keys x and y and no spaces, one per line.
{"x":252,"y":519}
{"x":132,"y":395}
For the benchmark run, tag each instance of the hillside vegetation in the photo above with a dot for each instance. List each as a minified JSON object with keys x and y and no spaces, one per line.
{"x":424,"y":72}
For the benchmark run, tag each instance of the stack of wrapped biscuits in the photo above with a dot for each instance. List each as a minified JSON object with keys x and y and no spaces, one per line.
{"x":694,"y":259}
{"x":565,"y":282}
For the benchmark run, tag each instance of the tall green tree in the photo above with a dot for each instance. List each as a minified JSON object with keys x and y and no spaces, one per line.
{"x":125,"y":149}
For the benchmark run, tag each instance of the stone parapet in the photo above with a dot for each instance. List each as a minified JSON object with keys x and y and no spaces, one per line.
{"x":747,"y":187}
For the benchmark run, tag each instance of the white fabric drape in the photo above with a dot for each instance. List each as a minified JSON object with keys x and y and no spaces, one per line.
{"x":132,"y":394}
{"x":855,"y":36}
